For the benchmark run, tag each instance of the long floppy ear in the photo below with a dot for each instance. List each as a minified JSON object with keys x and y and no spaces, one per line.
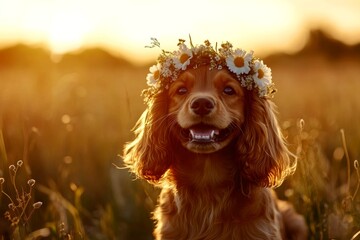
{"x":148,"y":155}
{"x":264,"y":158}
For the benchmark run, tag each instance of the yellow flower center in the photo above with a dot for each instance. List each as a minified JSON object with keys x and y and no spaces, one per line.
{"x":184,"y":57}
{"x":260,"y":73}
{"x":156,"y":74}
{"x":239,"y":62}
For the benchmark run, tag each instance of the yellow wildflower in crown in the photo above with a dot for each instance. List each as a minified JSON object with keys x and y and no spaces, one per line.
{"x":251,"y":72}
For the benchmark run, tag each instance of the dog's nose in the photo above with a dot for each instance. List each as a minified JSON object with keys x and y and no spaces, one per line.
{"x":202,"y":106}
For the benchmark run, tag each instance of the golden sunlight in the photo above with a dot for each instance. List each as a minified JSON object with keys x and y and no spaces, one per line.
{"x":67,"y":32}
{"x":125,"y":27}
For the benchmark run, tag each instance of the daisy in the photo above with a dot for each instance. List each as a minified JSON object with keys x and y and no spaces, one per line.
{"x":182,"y":57}
{"x":154,"y":74}
{"x":239,"y":61}
{"x":262,"y":75}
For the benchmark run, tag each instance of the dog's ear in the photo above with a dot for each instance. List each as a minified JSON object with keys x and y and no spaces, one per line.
{"x":263,"y":157}
{"x":148,"y":155}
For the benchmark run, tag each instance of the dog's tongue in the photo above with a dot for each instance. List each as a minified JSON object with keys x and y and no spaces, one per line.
{"x":203,"y":134}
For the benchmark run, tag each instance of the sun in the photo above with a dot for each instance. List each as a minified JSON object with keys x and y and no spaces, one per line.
{"x":67,"y":31}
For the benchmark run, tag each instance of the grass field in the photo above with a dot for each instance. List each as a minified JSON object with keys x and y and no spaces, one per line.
{"x":68,"y":120}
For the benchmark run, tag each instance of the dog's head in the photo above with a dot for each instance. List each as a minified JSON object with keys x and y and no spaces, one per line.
{"x":203,"y":112}
{"x":208,"y":107}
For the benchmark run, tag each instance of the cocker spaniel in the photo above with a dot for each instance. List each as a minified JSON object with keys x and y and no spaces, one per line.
{"x":214,"y":146}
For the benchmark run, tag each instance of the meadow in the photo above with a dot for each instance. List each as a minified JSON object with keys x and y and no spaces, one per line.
{"x":64,"y":121}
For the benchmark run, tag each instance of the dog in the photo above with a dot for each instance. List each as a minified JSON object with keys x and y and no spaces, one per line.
{"x":216,"y":150}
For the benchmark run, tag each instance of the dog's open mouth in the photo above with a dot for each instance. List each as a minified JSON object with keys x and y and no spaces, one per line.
{"x":202,"y":133}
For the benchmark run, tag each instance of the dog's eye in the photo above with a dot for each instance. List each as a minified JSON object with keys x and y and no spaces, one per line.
{"x":181,"y":90}
{"x":229,"y":90}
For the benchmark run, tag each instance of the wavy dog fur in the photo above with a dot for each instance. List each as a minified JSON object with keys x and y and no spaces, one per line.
{"x":214,"y":190}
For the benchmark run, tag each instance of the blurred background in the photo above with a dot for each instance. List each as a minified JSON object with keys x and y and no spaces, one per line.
{"x":71,"y":75}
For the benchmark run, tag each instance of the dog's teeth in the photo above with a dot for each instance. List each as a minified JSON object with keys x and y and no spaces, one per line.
{"x":203,"y":136}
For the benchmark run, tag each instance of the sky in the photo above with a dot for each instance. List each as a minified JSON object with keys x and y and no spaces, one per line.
{"x":126,"y":26}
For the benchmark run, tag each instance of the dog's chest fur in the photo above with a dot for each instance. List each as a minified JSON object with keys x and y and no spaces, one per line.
{"x":213,"y":216}
{"x":205,"y":210}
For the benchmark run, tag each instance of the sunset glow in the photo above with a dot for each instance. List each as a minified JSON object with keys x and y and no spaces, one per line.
{"x":67,"y":31}
{"x":125,"y":27}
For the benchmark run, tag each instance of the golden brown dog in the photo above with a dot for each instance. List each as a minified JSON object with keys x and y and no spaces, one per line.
{"x":215,"y":149}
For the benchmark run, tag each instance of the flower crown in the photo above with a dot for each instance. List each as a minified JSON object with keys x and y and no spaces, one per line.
{"x":251,"y":72}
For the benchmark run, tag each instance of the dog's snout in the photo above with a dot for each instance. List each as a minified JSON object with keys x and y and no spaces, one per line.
{"x":202,"y":106}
